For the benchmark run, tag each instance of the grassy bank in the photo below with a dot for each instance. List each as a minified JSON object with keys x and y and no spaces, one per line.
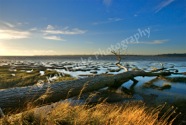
{"x":18,"y":77}
{"x":133,"y":113}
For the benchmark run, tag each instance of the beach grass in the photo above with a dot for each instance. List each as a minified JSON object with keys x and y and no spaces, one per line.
{"x":22,"y":77}
{"x":131,"y":113}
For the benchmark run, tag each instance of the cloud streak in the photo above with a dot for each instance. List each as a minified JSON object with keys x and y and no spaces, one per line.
{"x":26,"y":52}
{"x":53,"y":33}
{"x":9,"y":31}
{"x":66,"y":31}
{"x":54,"y":38}
{"x":34,"y":29}
{"x":6,"y":24}
{"x":7,"y":34}
{"x":162,"y":5}
{"x":109,"y":20}
{"x":9,"y":24}
{"x":154,"y":42}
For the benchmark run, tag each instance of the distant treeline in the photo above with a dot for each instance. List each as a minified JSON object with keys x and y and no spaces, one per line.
{"x":174,"y":55}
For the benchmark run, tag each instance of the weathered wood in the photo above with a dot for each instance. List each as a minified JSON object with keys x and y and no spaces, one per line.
{"x":47,"y":93}
{"x":118,"y":56}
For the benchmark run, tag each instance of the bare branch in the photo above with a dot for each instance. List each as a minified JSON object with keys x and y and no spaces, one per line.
{"x":118,"y":56}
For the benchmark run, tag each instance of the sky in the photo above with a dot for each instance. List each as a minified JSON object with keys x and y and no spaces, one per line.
{"x":83,"y":27}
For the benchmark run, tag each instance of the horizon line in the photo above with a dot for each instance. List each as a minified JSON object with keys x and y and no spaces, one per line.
{"x":99,"y":55}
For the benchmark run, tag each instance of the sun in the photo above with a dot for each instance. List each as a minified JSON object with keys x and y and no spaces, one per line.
{"x":3,"y":50}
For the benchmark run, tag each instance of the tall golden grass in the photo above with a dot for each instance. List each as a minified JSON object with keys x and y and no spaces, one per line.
{"x":131,"y":113}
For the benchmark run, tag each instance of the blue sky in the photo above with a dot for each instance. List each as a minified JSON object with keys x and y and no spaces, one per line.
{"x":62,"y":27}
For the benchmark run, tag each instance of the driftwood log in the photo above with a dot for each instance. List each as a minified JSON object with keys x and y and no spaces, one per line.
{"x":47,"y":93}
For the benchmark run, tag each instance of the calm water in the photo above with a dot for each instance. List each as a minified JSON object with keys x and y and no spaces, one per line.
{"x":93,"y":58}
{"x":177,"y":90}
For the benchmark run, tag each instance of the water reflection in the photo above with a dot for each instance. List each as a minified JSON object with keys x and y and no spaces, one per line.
{"x":175,"y":92}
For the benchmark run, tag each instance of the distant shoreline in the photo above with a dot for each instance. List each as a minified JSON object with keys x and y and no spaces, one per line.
{"x":159,"y":55}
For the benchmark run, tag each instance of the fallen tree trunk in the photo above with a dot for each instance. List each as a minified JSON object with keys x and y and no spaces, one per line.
{"x":47,"y":93}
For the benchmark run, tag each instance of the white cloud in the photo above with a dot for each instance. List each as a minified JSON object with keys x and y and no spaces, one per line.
{"x":25,"y":52}
{"x":9,"y":24}
{"x":154,"y":42}
{"x":50,"y":27}
{"x":115,"y":19}
{"x":109,"y":20}
{"x":159,"y":41}
{"x":34,"y":29}
{"x":162,"y":5}
{"x":51,"y":30}
{"x":54,"y":38}
{"x":107,"y":2}
{"x":9,"y":31}
{"x":7,"y":34}
{"x":6,"y":24}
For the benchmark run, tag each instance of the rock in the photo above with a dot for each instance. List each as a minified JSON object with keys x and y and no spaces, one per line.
{"x":114,"y":70}
{"x":86,"y":75}
{"x":173,"y":70}
{"x":94,"y":72}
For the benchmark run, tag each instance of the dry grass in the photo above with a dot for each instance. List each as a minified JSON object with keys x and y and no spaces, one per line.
{"x":132,"y":113}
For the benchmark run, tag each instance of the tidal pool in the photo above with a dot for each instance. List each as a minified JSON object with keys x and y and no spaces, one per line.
{"x":177,"y":91}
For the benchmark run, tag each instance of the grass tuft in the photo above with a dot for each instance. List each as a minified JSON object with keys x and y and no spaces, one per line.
{"x":19,"y":77}
{"x":131,"y":113}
